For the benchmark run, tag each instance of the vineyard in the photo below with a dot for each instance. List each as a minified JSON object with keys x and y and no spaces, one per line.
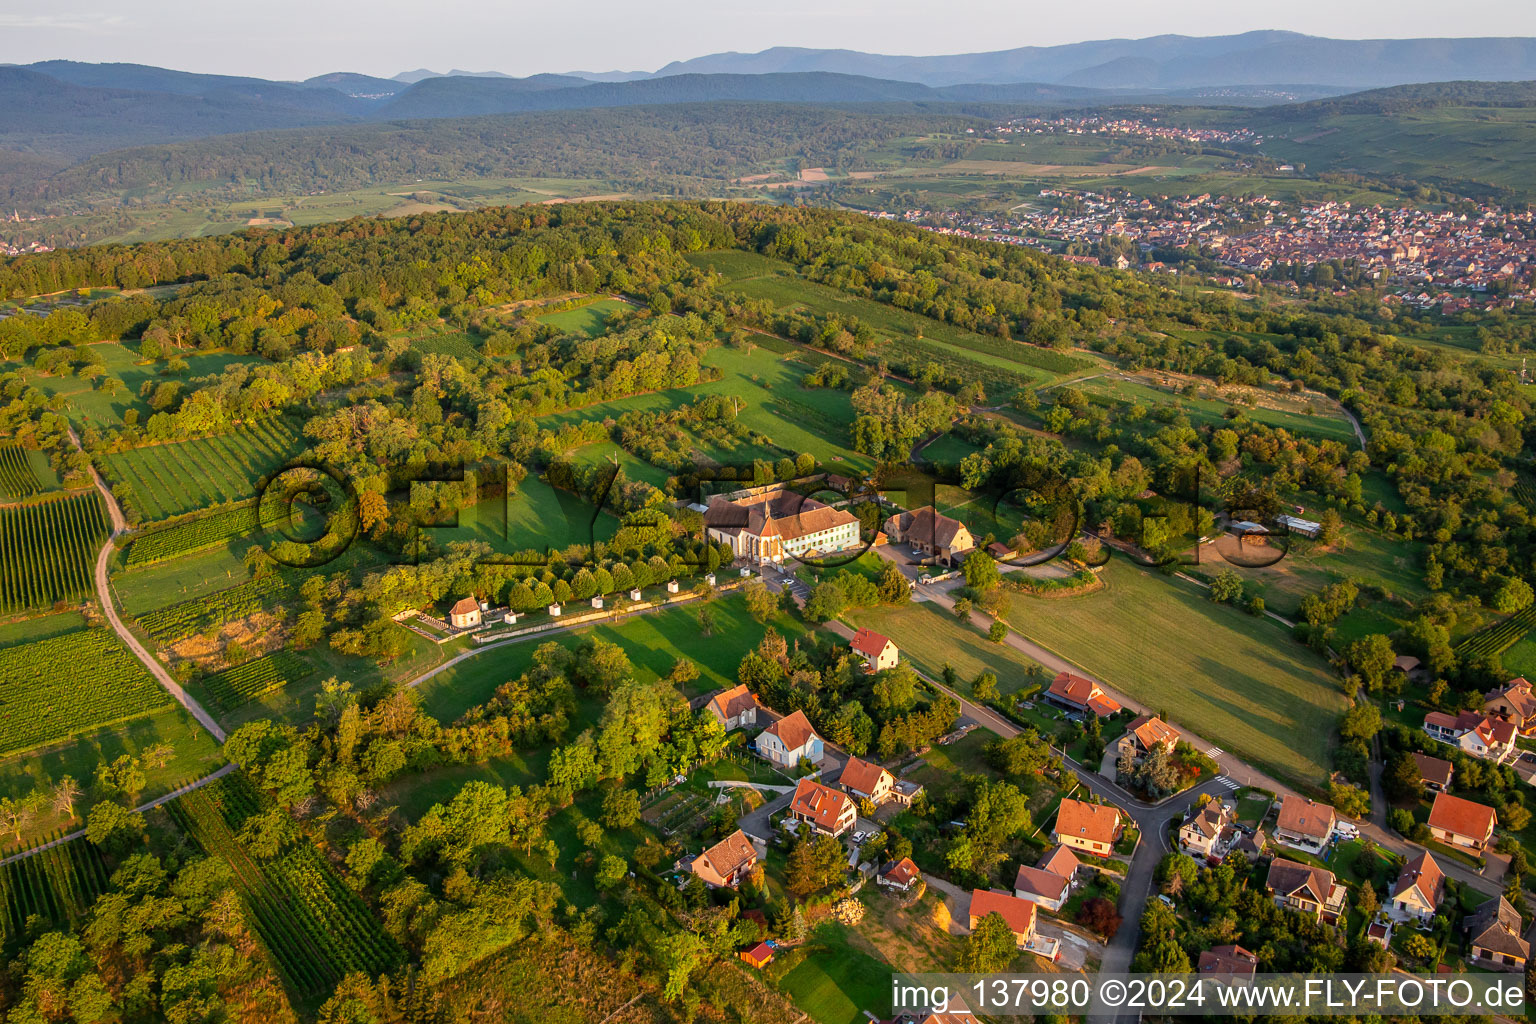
{"x":166,"y":480}
{"x":179,"y":621}
{"x":1500,"y":637}
{"x":47,"y":550}
{"x":316,"y":928}
{"x":16,"y":477}
{"x":194,"y":535}
{"x":238,"y":686}
{"x":54,"y":688}
{"x":56,"y":886}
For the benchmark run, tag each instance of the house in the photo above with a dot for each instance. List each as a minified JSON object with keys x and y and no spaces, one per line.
{"x":937,"y":536}
{"x":1251,"y":845}
{"x":1092,"y":828}
{"x":1407,"y":664}
{"x":1515,"y":703}
{"x":735,"y":708}
{"x":1459,"y":822}
{"x":865,"y":781}
{"x":1304,"y":822}
{"x":759,"y":956}
{"x":768,"y":528}
{"x":1209,"y":831}
{"x":823,"y":808}
{"x":1041,"y":887}
{"x":789,"y":739}
{"x":1075,"y":693}
{"x":878,"y":652}
{"x":1417,"y":892}
{"x":464,"y":613}
{"x":1228,"y":960}
{"x":1493,"y":931}
{"x":901,"y":874}
{"x":1305,"y":889}
{"x":1145,"y":734}
{"x":1379,"y":932}
{"x":1060,"y":861}
{"x":1481,"y":735}
{"x":1434,"y":773}
{"x":1020,"y":914}
{"x":725,"y":864}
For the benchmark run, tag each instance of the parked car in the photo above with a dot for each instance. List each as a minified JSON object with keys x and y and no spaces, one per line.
{"x":859,"y":837}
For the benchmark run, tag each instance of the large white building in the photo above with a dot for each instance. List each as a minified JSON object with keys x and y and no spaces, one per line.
{"x":775,"y":526}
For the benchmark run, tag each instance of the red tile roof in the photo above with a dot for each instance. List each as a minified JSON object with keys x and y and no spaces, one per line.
{"x":464,"y":606}
{"x":1020,"y":914}
{"x":1045,"y":884}
{"x":869,"y":643}
{"x":1086,"y":693}
{"x":1302,"y":817}
{"x":903,"y":872}
{"x":1060,"y":861}
{"x":1096,"y":823}
{"x":1227,"y":960}
{"x":793,"y":730}
{"x":1421,"y":872}
{"x":859,"y":774}
{"x":1462,"y":817}
{"x":731,"y":703}
{"x":825,"y":806}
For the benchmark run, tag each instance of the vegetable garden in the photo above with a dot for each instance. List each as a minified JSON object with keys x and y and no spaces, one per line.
{"x":165,"y":480}
{"x":54,"y":688}
{"x":16,"y":477}
{"x":238,"y":686}
{"x":47,"y":550}
{"x":316,"y":928}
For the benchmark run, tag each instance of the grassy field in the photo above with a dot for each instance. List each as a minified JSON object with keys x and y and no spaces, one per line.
{"x":88,"y":405}
{"x":832,"y":980}
{"x":930,"y":637}
{"x":41,"y":627}
{"x":1324,"y":422}
{"x":654,"y":641}
{"x":948,"y":448}
{"x":635,"y":468}
{"x":590,"y":319}
{"x":1014,"y":364}
{"x":169,"y":479}
{"x":536,"y":516}
{"x":1241,"y":683}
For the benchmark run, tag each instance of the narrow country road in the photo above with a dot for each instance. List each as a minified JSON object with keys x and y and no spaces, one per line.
{"x":104,"y":595}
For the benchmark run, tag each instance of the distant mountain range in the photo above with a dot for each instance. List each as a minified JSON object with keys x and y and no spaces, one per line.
{"x":1168,"y":62}
{"x":55,"y":112}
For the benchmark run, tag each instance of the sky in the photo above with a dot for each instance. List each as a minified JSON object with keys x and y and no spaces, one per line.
{"x":296,"y":39}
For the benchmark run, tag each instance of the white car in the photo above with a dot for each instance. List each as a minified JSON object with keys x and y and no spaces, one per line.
{"x":859,"y":837}
{"x":1345,"y":830}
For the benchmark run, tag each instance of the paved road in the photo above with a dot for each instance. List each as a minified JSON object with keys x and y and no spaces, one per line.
{"x":104,"y":595}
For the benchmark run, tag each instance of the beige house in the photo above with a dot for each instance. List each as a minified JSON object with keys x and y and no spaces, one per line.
{"x":932,"y":534}
{"x":1304,"y":822}
{"x":1515,"y":703}
{"x":1092,"y":828}
{"x":1493,"y":932}
{"x":725,"y":864}
{"x":823,"y":808}
{"x":1306,"y":889}
{"x":879,"y":652}
{"x":1209,"y":831}
{"x":866,"y":781}
{"x":1020,"y":914}
{"x":1418,"y":890}
{"x":1459,"y":822}
{"x":735,"y":708}
{"x":789,"y":739}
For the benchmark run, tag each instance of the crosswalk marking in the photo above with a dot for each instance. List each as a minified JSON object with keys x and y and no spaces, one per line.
{"x":1225,"y":783}
{"x":1213,"y":752}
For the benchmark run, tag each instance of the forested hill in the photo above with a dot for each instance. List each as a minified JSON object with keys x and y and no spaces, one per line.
{"x":666,"y":146}
{"x":1408,"y":98}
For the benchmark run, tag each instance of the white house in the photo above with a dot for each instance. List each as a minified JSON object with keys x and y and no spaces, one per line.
{"x":789,"y":739}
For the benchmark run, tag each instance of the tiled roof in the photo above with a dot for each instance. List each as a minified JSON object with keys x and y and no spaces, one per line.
{"x":731,"y":703}
{"x":730,"y":854}
{"x":1020,"y":914}
{"x":1152,"y":731}
{"x":1060,"y":861}
{"x":1433,"y":769}
{"x":1495,"y":926}
{"x":1041,"y":883}
{"x":903,"y":872}
{"x":1227,"y":960}
{"x":825,"y":806}
{"x":929,"y":526}
{"x":1288,"y":878}
{"x":869,"y":643}
{"x":793,"y":730}
{"x":1424,"y":874}
{"x":1093,"y":822}
{"x":463,"y":606}
{"x":1302,"y":817}
{"x":1461,"y":817}
{"x":861,"y":775}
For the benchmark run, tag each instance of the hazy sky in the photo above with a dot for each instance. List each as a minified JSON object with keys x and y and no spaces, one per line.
{"x":300,"y":38}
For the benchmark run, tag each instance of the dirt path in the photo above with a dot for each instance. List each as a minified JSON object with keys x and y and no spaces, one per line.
{"x":104,"y":596}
